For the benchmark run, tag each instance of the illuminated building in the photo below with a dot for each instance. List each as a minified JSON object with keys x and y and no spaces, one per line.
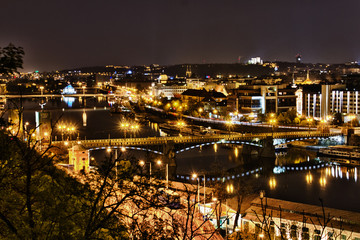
{"x":264,"y":98}
{"x":323,"y":100}
{"x":286,"y":220}
{"x":255,"y":60}
{"x":79,"y":157}
{"x":69,"y":90}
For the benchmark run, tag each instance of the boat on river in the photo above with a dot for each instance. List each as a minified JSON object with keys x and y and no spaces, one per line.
{"x":343,"y":151}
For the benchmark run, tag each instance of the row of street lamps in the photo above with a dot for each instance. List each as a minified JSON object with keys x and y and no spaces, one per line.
{"x":159,"y":163}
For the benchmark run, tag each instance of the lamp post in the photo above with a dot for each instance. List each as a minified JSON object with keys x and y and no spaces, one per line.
{"x":229,"y":190}
{"x":229,"y":125}
{"x":200,"y":110}
{"x":159,"y":162}
{"x":309,"y":120}
{"x":180,"y":124}
{"x":142,"y":163}
{"x":195,"y":176}
{"x":42,"y":90}
{"x":272,"y":123}
{"x":134,"y":128}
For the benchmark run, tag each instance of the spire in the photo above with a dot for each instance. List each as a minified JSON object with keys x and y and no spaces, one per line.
{"x":308,"y":80}
{"x":308,"y":76}
{"x":188,"y":71}
{"x":293,"y":81}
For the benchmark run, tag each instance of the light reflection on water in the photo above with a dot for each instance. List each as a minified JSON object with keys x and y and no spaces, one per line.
{"x":337,"y":185}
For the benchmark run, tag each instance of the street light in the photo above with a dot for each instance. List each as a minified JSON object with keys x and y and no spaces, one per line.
{"x":159,"y":162}
{"x":195,"y":176}
{"x":142,"y":163}
{"x":135,"y":128}
{"x":272,"y":123}
{"x":42,"y":90}
{"x":229,"y":190}
{"x":272,"y":183}
{"x":229,"y":124}
{"x":309,"y":120}
{"x":200,"y":110}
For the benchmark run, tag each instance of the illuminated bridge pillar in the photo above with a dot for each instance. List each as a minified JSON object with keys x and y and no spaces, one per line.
{"x":169,"y":158}
{"x":268,"y":149}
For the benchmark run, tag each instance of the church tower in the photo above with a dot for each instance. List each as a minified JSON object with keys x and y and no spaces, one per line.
{"x":79,"y":157}
{"x":188,"y":71}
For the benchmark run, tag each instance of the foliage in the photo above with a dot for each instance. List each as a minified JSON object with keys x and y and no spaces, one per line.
{"x":40,"y":201}
{"x":338,"y":119}
{"x":11,"y":59}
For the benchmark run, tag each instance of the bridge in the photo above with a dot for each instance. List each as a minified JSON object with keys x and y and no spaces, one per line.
{"x":170,"y":146}
{"x":58,"y":95}
{"x":242,"y":138}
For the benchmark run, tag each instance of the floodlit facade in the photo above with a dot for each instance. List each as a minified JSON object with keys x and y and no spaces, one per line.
{"x":292,"y":220}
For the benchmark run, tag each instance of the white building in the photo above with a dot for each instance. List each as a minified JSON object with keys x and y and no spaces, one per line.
{"x":255,"y":60}
{"x":291,"y":220}
{"x":330,"y":99}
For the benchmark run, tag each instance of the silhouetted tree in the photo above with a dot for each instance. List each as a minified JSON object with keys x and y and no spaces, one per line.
{"x":11,"y":59}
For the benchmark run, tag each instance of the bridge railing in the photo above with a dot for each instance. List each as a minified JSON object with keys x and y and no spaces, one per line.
{"x":194,"y":139}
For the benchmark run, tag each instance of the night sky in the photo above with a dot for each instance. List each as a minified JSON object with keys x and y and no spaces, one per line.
{"x":60,"y":34}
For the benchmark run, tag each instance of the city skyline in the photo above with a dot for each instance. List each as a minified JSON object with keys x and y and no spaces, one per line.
{"x":63,"y":35}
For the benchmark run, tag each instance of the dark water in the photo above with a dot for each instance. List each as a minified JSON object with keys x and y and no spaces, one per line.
{"x":338,"y":186}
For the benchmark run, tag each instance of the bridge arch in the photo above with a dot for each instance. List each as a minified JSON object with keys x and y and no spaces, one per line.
{"x":218,"y":142}
{"x":127,"y":147}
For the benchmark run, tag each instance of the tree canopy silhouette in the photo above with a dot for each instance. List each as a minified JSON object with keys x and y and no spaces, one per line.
{"x":11,"y":59}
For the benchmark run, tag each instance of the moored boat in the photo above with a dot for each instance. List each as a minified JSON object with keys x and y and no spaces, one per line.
{"x":341,"y":151}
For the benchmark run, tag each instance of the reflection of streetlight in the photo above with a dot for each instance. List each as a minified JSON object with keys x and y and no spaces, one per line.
{"x":215,"y":147}
{"x":309,"y":178}
{"x":322,"y":181}
{"x":272,"y":183}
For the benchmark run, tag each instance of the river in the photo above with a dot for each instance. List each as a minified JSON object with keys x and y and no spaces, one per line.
{"x":337,"y":185}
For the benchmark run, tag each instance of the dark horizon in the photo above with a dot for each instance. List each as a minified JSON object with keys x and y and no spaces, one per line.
{"x":69,"y":34}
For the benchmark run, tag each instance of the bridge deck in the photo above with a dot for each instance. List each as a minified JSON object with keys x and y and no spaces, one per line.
{"x":192,"y":139}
